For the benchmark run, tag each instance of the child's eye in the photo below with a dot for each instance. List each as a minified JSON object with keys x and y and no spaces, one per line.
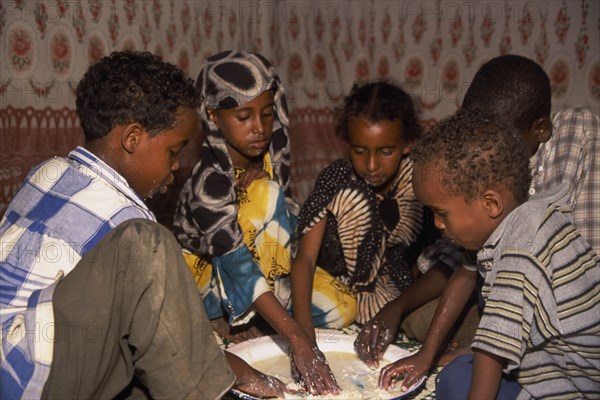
{"x":386,"y":152}
{"x":175,"y":152}
{"x":243,"y":117}
{"x":358,"y":150}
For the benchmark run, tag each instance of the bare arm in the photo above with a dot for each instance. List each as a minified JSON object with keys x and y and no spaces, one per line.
{"x":487,"y":373}
{"x":303,"y":270}
{"x":377,"y":334}
{"x":426,"y":288}
{"x":453,"y":300}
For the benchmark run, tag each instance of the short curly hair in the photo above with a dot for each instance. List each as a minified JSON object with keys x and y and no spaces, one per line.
{"x":376,"y":102}
{"x":513,"y":87}
{"x":472,"y":152}
{"x":127,"y":87}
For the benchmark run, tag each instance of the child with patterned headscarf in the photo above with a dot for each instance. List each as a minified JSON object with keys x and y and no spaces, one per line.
{"x":235,"y":216}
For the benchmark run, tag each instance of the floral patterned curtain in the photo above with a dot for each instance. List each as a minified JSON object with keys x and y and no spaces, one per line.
{"x":432,"y":48}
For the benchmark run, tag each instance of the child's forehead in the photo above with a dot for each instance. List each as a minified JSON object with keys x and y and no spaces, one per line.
{"x":360,"y":124}
{"x":265,"y":97}
{"x":373,"y":119}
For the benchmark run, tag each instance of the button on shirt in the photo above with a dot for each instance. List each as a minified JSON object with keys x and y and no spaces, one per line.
{"x":63,"y":209}
{"x":572,"y":156}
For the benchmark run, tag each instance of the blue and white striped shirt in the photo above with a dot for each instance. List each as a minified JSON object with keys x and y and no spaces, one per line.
{"x":62,"y":210}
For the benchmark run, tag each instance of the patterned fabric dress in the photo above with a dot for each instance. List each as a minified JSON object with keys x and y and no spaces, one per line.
{"x":234,"y":282}
{"x":371,"y":240}
{"x":208,"y":221}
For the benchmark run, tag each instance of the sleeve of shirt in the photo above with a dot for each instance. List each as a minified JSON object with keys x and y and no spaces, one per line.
{"x":326,"y":186}
{"x":576,"y":160}
{"x":511,"y":290}
{"x":446,"y":252}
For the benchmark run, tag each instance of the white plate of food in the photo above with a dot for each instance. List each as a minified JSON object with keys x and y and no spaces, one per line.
{"x":269,"y":354}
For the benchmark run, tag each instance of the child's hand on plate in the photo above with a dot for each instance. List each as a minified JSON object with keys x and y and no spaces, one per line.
{"x":252,"y":381}
{"x":310,"y":367}
{"x":258,"y":384}
{"x":409,"y":370}
{"x":377,"y":334}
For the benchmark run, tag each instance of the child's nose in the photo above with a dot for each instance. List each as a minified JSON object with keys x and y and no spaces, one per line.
{"x":175,"y":165}
{"x":372,"y":163}
{"x":437,"y":221}
{"x":258,"y":126}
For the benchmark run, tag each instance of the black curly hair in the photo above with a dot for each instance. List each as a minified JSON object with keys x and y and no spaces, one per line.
{"x":473,"y":152}
{"x":513,"y":87}
{"x":379,"y":101}
{"x":127,"y":87}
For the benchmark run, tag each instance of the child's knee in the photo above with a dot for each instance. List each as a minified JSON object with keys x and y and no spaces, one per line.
{"x":454,"y":381}
{"x":335,"y":313}
{"x":348,"y":310}
{"x":345,"y":314}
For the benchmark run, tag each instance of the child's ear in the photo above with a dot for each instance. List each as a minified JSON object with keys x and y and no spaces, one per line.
{"x":406,"y":149}
{"x":493,"y":203}
{"x":131,"y":137}
{"x":542,"y":129}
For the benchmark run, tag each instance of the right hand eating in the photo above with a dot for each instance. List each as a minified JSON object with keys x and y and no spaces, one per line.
{"x":309,"y":367}
{"x":376,"y":335}
{"x":411,"y":369}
